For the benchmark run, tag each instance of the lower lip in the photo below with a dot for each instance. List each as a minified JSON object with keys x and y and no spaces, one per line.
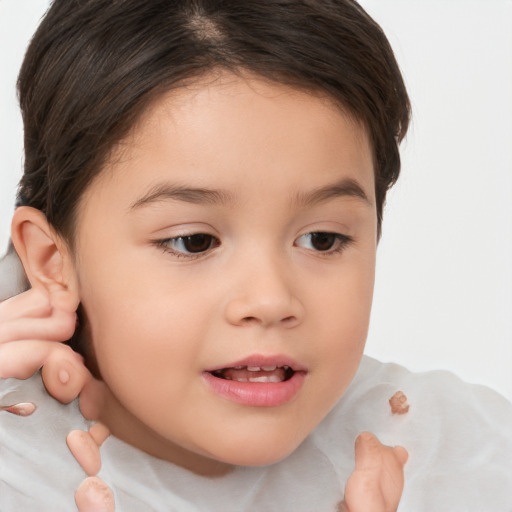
{"x":257,"y":394}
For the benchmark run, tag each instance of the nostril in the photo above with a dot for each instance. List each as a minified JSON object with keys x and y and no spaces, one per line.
{"x":250,"y":320}
{"x":255,"y":320}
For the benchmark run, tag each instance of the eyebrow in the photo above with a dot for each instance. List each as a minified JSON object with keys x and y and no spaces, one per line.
{"x":347,"y":187}
{"x":194,"y":195}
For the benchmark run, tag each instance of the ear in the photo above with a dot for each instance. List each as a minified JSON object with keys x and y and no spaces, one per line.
{"x":46,"y":258}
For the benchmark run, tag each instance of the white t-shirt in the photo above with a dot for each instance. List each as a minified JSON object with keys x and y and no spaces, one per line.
{"x":459,"y":439}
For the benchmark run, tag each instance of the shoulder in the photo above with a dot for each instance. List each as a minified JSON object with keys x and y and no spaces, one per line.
{"x":434,"y":398}
{"x":12,"y":275}
{"x":458,"y":435}
{"x":37,"y":471}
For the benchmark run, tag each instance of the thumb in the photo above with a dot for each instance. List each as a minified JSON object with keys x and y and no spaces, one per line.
{"x":377,"y":482}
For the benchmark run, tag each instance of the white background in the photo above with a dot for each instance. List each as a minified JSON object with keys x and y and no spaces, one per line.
{"x":443,"y":295}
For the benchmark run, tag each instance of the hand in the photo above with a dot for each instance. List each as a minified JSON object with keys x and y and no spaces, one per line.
{"x":31,"y":325}
{"x":377,"y":483}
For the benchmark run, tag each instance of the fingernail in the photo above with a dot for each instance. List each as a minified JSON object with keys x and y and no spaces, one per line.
{"x":22,"y":409}
{"x":64,"y":376}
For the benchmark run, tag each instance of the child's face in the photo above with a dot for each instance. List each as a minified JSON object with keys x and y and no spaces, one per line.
{"x":236,"y":175}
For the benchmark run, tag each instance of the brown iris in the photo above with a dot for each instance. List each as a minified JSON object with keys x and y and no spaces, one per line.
{"x":197,"y":243}
{"x":323,"y":241}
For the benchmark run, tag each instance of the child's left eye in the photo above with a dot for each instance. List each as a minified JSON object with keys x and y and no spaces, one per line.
{"x":325,"y":242}
{"x":189,"y":245}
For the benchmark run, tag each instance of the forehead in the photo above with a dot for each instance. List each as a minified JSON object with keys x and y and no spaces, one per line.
{"x":221,"y":97}
{"x":226,"y":127}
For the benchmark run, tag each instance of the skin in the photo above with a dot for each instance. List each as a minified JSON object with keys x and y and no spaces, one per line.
{"x":261,"y":288}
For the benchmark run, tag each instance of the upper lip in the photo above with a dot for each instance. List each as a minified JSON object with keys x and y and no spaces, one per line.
{"x":262,"y":360}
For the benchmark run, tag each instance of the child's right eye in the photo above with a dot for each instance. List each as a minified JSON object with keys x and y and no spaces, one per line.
{"x":189,"y":245}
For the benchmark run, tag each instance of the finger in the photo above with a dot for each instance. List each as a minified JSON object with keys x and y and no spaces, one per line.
{"x":37,"y":315}
{"x":363,"y":492}
{"x":401,"y":454}
{"x":32,"y":303}
{"x":368,"y":452}
{"x":377,"y":482}
{"x":99,"y":432}
{"x":60,"y":299}
{"x":374,"y":458}
{"x":64,"y":374}
{"x":58,"y":326}
{"x":371,"y":453}
{"x":94,"y":495}
{"x":85,"y":450}
{"x":85,"y":447}
{"x":21,"y":359}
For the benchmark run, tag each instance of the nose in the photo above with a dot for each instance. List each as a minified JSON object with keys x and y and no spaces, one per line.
{"x":264,"y":294}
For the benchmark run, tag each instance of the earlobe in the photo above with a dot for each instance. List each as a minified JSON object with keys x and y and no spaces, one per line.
{"x":44,"y":254}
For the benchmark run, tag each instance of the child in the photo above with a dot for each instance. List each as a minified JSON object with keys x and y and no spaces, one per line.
{"x":204,"y":184}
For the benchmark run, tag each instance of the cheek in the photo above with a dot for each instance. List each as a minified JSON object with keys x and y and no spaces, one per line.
{"x":341,"y":316}
{"x":141,"y":327}
{"x":342,"y":302}
{"x":138,"y":322}
{"x":147,"y":353}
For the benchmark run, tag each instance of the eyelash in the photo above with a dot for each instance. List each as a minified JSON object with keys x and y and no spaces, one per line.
{"x":340,"y":243}
{"x":164,"y":244}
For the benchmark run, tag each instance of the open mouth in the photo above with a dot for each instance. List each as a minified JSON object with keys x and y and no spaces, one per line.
{"x":255,"y":373}
{"x":258,"y":381}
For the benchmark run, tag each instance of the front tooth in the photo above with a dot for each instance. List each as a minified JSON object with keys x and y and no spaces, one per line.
{"x":240,"y":379}
{"x":269,"y":368}
{"x":254,"y":368}
{"x":265,"y":378}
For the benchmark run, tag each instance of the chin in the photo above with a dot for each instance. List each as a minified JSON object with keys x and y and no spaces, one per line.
{"x":258,"y":451}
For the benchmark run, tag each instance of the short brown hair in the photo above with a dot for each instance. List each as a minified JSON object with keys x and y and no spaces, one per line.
{"x":94,"y":65}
